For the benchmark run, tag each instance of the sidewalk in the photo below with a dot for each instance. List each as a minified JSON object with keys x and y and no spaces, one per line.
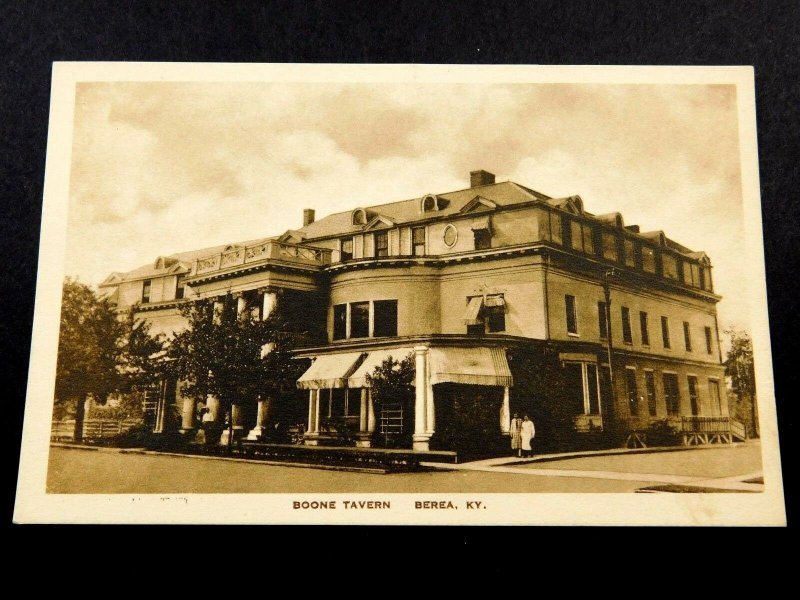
{"x":663,"y":482}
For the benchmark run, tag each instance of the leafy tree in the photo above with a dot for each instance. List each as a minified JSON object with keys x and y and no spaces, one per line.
{"x":88,"y":349}
{"x":391,"y":386}
{"x":236,"y":358}
{"x":739,"y":367}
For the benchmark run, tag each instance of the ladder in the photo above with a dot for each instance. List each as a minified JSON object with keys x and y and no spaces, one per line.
{"x":390,"y":423}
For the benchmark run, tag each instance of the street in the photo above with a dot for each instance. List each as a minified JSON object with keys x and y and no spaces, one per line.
{"x":75,"y":470}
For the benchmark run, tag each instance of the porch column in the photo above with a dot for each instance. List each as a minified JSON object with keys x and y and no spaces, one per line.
{"x":363,"y":439}
{"x":241,"y":304}
{"x":236,"y":426}
{"x":312,"y":433}
{"x":212,"y":403}
{"x":269,"y":302}
{"x":188,"y":415}
{"x":430,"y":413}
{"x":421,"y":437}
{"x":505,"y":412}
{"x":370,"y":412}
{"x":259,"y":431}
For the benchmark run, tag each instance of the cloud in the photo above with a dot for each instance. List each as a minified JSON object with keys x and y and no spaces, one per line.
{"x":167,"y":167}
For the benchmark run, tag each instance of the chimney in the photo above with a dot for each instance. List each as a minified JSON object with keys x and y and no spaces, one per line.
{"x":481,"y":177}
{"x":308,"y":216}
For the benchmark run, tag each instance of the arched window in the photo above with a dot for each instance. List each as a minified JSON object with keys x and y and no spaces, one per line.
{"x":429,"y":203}
{"x":359,"y":217}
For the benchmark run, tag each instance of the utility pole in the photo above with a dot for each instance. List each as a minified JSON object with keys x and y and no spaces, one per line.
{"x":607,"y":275}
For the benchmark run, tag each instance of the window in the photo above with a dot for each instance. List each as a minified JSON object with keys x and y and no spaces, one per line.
{"x":582,"y":238}
{"x":340,"y":321}
{"x":648,"y":259}
{"x":582,"y":388}
{"x":669,"y":266}
{"x":382,"y":243}
{"x":495,"y":314}
{"x":713,"y":394}
{"x":146,"y":290}
{"x":687,"y":337}
{"x":483,"y":239}
{"x":691,"y":274}
{"x":671,"y":394}
{"x":347,"y":249}
{"x":693,"y":398}
{"x":602,"y":319}
{"x":418,"y":241}
{"x":572,"y":317}
{"x":180,"y":288}
{"x":450,"y":235}
{"x":650,"y":388}
{"x":665,"y":332}
{"x":385,"y":318}
{"x":709,"y":344}
{"x":610,"y":251}
{"x":382,"y":322}
{"x":359,"y":319}
{"x":633,"y":393}
{"x":629,"y":251}
{"x":627,"y":336}
{"x":486,"y":314}
{"x":643,"y":326}
{"x":556,"y":228}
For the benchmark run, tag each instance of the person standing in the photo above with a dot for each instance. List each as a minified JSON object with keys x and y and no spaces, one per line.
{"x":527,"y":431}
{"x":516,"y":434}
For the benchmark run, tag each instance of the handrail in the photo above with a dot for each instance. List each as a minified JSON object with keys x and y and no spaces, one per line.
{"x":265,"y":250}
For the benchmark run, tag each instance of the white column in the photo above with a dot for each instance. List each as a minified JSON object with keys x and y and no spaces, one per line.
{"x":312,"y":433}
{"x":241,"y":305}
{"x":370,"y":412}
{"x":311,"y":412}
{"x":270,"y":300}
{"x":505,"y":413}
{"x":212,"y":403}
{"x":364,"y":437}
{"x":430,"y":414}
{"x":219,"y":308}
{"x":188,"y":415}
{"x":262,"y":415}
{"x":421,"y":437}
{"x":362,"y":424}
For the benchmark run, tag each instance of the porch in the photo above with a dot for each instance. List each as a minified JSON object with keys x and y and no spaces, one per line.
{"x":685,"y":430}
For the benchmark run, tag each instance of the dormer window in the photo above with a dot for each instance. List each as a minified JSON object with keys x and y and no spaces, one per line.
{"x":359,"y":217}
{"x":180,"y":288}
{"x":429,"y":203}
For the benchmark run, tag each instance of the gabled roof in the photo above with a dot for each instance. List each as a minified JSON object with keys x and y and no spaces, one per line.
{"x":478,"y":203}
{"x":506,"y":193}
{"x":379,"y":220}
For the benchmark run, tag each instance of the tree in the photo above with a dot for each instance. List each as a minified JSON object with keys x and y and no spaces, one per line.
{"x":142,"y":360}
{"x":390,"y":383}
{"x":739,"y":367}
{"x":235,"y":357}
{"x":88,"y":349}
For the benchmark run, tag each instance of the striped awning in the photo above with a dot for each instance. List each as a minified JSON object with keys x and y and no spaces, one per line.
{"x":472,"y":317}
{"x":329,"y":371}
{"x":359,"y":377}
{"x":471,"y":366}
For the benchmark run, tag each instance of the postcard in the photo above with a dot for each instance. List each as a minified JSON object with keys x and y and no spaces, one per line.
{"x":401,"y":294}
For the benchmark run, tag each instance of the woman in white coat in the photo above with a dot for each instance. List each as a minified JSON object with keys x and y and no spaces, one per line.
{"x":527,"y":431}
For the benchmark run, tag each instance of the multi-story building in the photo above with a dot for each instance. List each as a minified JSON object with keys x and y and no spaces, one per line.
{"x":507,"y":299}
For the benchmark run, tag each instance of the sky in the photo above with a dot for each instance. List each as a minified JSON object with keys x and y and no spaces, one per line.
{"x":164,"y":167}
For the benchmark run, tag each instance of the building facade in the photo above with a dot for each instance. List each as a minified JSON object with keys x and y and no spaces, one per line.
{"x":508,"y":301}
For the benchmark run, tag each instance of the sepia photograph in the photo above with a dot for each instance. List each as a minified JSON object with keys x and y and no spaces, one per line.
{"x":406,"y":294}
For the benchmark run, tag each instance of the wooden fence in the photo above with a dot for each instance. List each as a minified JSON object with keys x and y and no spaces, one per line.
{"x":93,"y":429}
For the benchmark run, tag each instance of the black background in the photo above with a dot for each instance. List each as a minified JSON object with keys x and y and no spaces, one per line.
{"x":34,"y":34}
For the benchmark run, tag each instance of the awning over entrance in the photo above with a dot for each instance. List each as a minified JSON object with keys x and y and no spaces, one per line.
{"x":471,"y":366}
{"x":329,"y":371}
{"x":359,"y":377}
